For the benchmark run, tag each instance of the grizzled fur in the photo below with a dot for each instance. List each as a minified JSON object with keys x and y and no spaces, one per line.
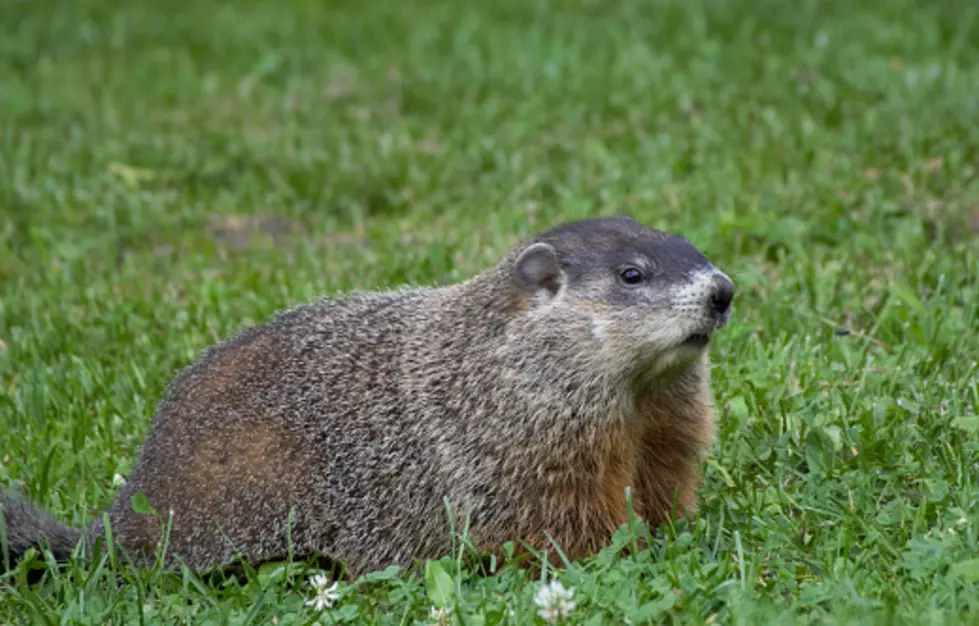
{"x":531,"y":396}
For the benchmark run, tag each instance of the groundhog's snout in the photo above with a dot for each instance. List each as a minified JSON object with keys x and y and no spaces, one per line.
{"x":721,"y":295}
{"x":705,"y":301}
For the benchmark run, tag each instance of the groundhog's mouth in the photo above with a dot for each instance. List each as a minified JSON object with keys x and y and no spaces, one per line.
{"x":697,"y":340}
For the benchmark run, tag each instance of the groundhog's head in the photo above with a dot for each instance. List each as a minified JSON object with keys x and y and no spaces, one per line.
{"x":640,"y":294}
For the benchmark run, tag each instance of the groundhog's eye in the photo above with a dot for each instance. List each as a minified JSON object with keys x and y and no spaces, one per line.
{"x":631,"y":276}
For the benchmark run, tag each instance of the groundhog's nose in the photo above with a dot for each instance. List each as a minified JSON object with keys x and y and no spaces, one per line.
{"x":722,"y":292}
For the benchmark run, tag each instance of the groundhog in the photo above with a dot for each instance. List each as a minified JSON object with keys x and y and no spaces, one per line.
{"x":526,"y":400}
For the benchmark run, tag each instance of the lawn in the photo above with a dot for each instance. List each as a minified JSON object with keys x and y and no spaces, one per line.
{"x":172,"y":174}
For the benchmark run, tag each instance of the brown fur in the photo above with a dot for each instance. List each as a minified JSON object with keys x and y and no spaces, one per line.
{"x":531,"y":397}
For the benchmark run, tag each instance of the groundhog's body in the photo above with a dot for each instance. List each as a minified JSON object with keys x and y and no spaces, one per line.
{"x":344,"y":424}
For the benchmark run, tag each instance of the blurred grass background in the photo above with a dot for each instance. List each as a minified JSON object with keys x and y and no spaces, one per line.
{"x":172,"y":173}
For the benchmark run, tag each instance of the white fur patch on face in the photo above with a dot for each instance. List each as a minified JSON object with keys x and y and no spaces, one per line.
{"x":598,"y":326}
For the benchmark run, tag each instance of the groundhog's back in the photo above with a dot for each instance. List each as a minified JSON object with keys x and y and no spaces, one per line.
{"x":294,"y":431}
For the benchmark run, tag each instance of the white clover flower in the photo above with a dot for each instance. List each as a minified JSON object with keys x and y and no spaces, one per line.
{"x":554,"y":601}
{"x":440,"y":616}
{"x":325,"y":595}
{"x":118,"y":480}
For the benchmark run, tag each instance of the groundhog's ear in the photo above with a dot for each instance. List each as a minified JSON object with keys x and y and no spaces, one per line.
{"x":537,"y":269}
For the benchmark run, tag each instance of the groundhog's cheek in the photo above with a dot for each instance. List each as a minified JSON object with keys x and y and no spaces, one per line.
{"x":659,"y":330}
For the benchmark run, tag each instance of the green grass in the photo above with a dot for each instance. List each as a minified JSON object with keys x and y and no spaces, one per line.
{"x":170,"y":174}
